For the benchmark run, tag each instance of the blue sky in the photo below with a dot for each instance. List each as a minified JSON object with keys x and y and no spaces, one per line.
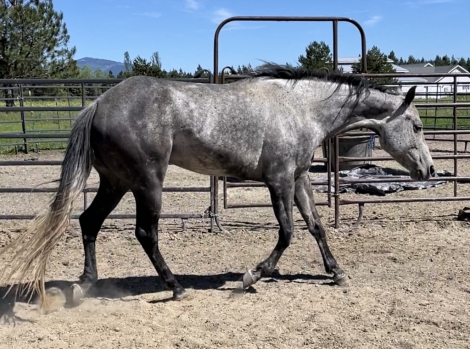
{"x":182,"y":31}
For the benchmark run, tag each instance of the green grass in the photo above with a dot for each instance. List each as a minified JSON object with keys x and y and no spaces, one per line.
{"x":38,"y":122}
{"x":443,"y":118}
{"x":58,"y":122}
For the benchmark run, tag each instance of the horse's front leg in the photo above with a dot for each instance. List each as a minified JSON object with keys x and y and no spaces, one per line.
{"x":306,"y":205}
{"x":282,"y":200}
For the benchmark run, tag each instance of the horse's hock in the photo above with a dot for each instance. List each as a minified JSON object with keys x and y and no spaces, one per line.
{"x":351,"y":146}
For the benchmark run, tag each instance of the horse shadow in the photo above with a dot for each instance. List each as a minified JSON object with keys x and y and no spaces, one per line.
{"x":117,"y":288}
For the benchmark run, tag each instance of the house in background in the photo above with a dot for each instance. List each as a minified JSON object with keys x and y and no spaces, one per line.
{"x":427,"y":87}
{"x":435,"y":87}
{"x":345,"y":64}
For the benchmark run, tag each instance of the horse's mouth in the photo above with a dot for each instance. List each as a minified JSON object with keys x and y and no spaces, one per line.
{"x":420,"y":175}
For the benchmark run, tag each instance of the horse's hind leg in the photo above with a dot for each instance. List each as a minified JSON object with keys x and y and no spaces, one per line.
{"x":148,"y":203}
{"x":282,"y":200}
{"x":306,"y":205}
{"x":109,"y":194}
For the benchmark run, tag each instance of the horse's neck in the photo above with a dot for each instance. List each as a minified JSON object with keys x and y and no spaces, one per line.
{"x":345,"y":109}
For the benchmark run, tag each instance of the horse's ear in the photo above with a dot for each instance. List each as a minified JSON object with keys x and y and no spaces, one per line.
{"x":410,"y":95}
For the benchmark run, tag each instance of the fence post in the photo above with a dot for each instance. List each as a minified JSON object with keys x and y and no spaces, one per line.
{"x":455,"y":134}
{"x":83,"y":94}
{"x":23,"y":121}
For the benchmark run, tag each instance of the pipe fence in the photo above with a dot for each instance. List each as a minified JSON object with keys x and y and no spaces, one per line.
{"x":45,"y":135}
{"x":448,"y":106}
{"x":445,"y":97}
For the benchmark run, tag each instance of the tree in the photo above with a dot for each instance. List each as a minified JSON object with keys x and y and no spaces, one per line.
{"x":127,"y":64}
{"x":377,"y":62}
{"x":140,"y":66}
{"x":33,"y":41}
{"x":393,"y":57}
{"x":411,"y":60}
{"x":245,"y":69}
{"x":155,"y":60}
{"x":467,"y":64}
{"x":317,"y":56}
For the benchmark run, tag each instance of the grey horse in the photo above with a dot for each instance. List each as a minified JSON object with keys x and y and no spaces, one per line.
{"x":265,"y":128}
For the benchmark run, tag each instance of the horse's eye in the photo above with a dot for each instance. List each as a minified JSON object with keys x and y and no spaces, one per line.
{"x":417,"y":128}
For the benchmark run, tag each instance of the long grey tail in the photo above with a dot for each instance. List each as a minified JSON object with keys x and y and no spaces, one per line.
{"x":29,"y":253}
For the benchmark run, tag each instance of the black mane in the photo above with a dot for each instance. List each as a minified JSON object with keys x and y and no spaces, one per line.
{"x":287,"y":72}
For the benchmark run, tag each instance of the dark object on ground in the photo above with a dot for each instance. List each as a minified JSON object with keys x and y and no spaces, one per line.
{"x":7,"y":306}
{"x":374,"y":172}
{"x":464,"y":214}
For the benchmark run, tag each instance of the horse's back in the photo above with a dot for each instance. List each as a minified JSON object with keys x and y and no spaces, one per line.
{"x":206,"y":128}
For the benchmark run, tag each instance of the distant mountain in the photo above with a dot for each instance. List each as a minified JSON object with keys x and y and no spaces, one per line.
{"x":103,"y":64}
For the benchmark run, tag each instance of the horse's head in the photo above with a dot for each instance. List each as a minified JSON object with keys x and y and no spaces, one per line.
{"x":398,"y":125}
{"x":401,"y":135}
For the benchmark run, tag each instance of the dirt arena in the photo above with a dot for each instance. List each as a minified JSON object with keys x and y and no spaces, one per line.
{"x":408,"y":268}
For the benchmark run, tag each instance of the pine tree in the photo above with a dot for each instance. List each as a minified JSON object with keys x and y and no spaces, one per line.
{"x":377,"y":62}
{"x":412,"y":60}
{"x":201,"y":72}
{"x":467,"y":64}
{"x":317,"y":56}
{"x":140,"y":66}
{"x":393,"y":57}
{"x":33,"y":41}
{"x":127,"y":65}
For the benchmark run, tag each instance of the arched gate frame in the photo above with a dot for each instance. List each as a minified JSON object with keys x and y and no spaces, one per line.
{"x":333,"y":156}
{"x":334,"y":21}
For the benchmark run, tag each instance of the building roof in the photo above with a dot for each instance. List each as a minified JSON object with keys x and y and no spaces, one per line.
{"x":345,"y":63}
{"x":412,"y":79}
{"x":351,"y":60}
{"x":428,"y":68}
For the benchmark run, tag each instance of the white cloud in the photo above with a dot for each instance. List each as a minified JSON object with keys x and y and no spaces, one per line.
{"x":150,"y":14}
{"x":220,"y":15}
{"x":192,"y":5}
{"x":435,"y":1}
{"x":415,"y":4}
{"x":373,"y":21}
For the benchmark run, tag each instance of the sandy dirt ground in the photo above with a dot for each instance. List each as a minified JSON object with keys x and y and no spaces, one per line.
{"x":408,"y":267}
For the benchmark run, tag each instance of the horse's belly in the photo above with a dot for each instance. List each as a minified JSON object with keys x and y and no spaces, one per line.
{"x":216,"y":161}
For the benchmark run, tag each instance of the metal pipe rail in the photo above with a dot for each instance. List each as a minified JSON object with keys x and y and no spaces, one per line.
{"x":209,"y":213}
{"x":455,"y":178}
{"x":334,"y":21}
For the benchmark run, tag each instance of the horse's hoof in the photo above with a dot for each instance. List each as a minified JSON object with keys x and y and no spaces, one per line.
{"x":77,"y":295}
{"x":55,"y":300}
{"x":250,"y":278}
{"x":340,"y":279}
{"x":178,"y":296}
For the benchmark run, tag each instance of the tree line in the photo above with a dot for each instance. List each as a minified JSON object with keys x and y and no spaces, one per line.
{"x":34,"y":44}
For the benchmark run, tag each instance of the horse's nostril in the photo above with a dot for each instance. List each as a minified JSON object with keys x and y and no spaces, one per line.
{"x":431,"y":170}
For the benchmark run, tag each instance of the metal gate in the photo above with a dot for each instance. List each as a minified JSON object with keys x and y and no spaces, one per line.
{"x":213,"y":210}
{"x":334,"y":157}
{"x":334,"y":21}
{"x":27,"y":139}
